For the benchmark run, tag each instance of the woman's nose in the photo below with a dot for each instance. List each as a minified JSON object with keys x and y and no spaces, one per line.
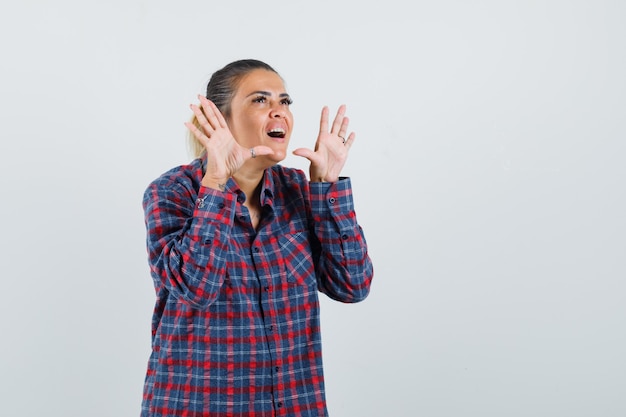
{"x":277,"y":111}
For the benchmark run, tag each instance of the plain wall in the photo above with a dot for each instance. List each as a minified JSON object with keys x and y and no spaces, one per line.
{"x":488,"y":174}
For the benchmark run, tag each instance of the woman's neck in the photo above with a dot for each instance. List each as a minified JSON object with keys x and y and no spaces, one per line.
{"x":250,"y":184}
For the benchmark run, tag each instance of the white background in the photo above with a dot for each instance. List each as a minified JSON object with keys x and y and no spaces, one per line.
{"x":488,"y":174}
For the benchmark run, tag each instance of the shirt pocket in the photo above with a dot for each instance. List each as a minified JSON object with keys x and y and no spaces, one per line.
{"x":297,"y":266}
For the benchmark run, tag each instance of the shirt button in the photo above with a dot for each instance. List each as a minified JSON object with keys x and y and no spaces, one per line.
{"x":280,"y":405}
{"x":267,"y":289}
{"x":270,"y":327}
{"x":344,"y":237}
{"x":331,"y":200}
{"x":277,"y":368}
{"x":256,"y":249}
{"x":221,"y":206}
{"x":207,"y":242}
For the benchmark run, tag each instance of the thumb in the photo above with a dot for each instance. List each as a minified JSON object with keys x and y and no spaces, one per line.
{"x":305,"y":153}
{"x":260,"y":150}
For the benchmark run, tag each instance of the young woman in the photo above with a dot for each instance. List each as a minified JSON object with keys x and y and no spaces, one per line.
{"x":239,"y":247}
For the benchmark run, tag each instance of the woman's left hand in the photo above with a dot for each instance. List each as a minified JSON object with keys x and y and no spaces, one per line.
{"x":331,"y":148}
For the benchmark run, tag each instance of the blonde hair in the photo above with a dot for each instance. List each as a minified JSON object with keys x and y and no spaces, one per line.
{"x":195,"y":148}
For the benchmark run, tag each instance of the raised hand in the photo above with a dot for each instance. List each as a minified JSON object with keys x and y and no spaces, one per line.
{"x":331,"y":147}
{"x":224,"y":155}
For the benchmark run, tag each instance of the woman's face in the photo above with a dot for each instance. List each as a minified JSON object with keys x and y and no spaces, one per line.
{"x":260,"y":113}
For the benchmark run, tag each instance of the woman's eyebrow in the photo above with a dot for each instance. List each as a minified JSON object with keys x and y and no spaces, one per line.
{"x":266,"y":93}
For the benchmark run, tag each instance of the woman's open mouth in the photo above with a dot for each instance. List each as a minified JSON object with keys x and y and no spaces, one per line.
{"x":277,"y":133}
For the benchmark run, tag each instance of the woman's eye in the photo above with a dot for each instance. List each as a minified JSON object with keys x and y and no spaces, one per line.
{"x":263,"y":99}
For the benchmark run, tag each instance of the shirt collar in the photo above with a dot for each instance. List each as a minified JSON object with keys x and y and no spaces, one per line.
{"x":267,"y":187}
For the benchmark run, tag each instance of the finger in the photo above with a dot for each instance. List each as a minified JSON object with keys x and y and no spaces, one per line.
{"x":344,"y":124}
{"x":259,"y":151}
{"x":350,"y":140}
{"x":202,"y":120}
{"x":337,"y":123}
{"x":218,"y":114}
{"x":305,"y":153}
{"x":324,"y":120}
{"x":344,"y":129}
{"x":211,"y":112}
{"x":195,"y":131}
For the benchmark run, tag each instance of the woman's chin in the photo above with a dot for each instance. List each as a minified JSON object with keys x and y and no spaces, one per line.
{"x":277,"y":156}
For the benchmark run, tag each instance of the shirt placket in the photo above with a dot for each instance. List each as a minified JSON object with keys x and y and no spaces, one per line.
{"x":270,"y":321}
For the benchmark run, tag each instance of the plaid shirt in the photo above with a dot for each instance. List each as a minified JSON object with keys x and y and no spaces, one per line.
{"x":236,"y":329}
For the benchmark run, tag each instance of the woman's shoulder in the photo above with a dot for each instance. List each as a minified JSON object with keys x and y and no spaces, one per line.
{"x":187,"y":176}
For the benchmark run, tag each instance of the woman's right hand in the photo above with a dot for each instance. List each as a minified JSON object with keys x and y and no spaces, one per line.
{"x":224,"y":155}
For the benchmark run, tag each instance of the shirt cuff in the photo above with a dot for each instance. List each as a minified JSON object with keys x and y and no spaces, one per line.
{"x":333,"y":198}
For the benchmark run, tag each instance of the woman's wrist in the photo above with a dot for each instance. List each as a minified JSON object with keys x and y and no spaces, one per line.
{"x":216,"y":184}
